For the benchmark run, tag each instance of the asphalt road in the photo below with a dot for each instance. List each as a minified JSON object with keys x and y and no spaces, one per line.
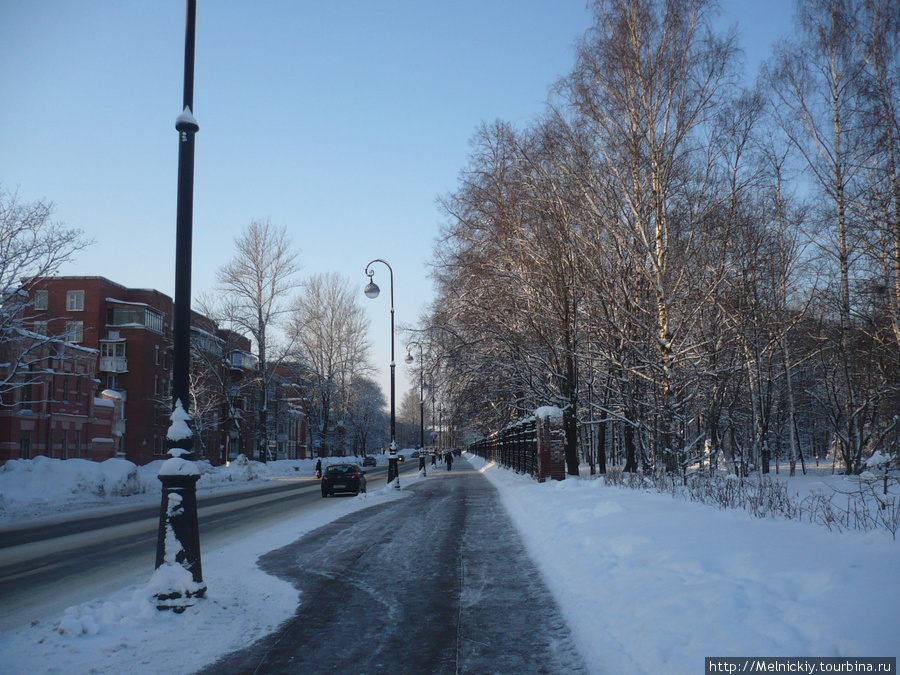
{"x":47,"y":566}
{"x":438,"y":582}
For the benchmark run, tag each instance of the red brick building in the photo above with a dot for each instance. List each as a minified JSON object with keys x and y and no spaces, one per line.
{"x":50,"y":405}
{"x":131,"y":330}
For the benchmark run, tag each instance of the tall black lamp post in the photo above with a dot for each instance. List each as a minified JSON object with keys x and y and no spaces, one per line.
{"x":371,"y":290}
{"x":409,"y":359}
{"x":178,"y":579}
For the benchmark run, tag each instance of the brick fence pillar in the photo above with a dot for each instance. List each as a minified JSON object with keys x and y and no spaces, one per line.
{"x":551,"y":444}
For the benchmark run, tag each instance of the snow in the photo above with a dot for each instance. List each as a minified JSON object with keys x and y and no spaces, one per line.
{"x":647,"y":583}
{"x":549,"y":412}
{"x":186,"y":117}
{"x":176,"y":466}
{"x":179,"y":429}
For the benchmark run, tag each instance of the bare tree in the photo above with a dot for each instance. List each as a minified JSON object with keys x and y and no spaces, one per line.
{"x":648,"y":79}
{"x":330,"y":331}
{"x":258,"y":282}
{"x":367,"y":416}
{"x":32,"y":245}
{"x":816,"y":82}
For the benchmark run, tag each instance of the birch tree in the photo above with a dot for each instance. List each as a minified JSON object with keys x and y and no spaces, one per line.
{"x":329,"y":331}
{"x":258,"y":283}
{"x":648,"y":78}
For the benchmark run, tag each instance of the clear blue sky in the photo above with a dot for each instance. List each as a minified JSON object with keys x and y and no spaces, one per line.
{"x":343,"y":120}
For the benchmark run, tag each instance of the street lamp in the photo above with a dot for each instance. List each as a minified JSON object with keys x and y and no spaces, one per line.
{"x":178,"y":578}
{"x":371,"y":290}
{"x":409,"y":359}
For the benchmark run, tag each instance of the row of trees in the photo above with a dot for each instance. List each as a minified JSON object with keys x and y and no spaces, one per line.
{"x":310,"y":332}
{"x":694,"y":270}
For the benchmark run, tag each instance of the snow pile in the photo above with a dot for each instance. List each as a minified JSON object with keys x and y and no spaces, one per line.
{"x":41,"y":486}
{"x":649,"y":583}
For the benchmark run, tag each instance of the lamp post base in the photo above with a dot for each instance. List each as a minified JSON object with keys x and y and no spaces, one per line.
{"x":394,"y":470}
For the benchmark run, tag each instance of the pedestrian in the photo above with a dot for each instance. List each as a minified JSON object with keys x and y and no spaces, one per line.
{"x":433,"y":458}
{"x":449,"y":460}
{"x":319,"y":468}
{"x":422,"y":463}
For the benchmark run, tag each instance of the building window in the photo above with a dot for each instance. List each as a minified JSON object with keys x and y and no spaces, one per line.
{"x":157,"y":354}
{"x":27,"y":394}
{"x":134,"y":315}
{"x":65,"y":396}
{"x":41,"y":299}
{"x":74,"y":331}
{"x":112,"y":349}
{"x":77,"y":452}
{"x":25,"y":445}
{"x":41,"y":328}
{"x":75,"y":301}
{"x":110,"y":381}
{"x":77,"y":390}
{"x":64,"y":450}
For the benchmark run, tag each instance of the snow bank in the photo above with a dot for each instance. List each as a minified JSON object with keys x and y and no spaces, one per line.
{"x":43,"y":486}
{"x":651,"y":584}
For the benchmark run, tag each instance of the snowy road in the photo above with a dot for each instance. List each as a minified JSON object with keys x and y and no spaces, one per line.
{"x":46,"y":567}
{"x":438,"y":582}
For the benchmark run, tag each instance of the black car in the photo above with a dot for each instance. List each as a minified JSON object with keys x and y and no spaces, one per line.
{"x":369,"y":460}
{"x":343,"y":478}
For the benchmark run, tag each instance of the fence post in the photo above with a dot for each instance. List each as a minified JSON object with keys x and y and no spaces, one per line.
{"x":551,"y":443}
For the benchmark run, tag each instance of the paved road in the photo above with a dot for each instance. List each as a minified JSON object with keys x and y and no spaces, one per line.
{"x":438,"y":582}
{"x":48,"y":566}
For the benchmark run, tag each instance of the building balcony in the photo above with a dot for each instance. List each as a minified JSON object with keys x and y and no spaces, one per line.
{"x":113,"y":364}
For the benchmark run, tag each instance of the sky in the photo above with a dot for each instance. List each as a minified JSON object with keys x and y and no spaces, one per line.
{"x":647,"y":582}
{"x":344,"y":121}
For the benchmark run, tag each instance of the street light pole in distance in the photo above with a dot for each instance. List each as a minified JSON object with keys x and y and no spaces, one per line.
{"x":409,"y":359}
{"x":372,"y":291}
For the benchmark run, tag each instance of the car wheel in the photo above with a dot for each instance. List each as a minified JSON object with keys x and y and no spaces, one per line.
{"x":324,"y":494}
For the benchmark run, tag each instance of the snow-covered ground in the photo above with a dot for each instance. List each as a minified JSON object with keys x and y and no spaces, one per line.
{"x":648,"y":583}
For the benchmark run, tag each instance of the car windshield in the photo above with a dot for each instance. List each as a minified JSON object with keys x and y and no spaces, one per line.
{"x":340,"y":470}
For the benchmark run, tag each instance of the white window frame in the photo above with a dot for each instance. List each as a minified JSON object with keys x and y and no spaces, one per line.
{"x":74,"y":331}
{"x":42,"y":299}
{"x":74,"y":301}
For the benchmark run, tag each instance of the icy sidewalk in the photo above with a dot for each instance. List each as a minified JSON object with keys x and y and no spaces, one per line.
{"x":436,"y":583}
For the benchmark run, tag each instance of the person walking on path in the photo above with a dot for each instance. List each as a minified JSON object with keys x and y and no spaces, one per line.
{"x":449,"y":460}
{"x":433,"y":458}
{"x":319,"y":468}
{"x":422,"y":463}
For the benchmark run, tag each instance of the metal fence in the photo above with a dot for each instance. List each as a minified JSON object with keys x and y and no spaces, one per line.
{"x":515,"y":447}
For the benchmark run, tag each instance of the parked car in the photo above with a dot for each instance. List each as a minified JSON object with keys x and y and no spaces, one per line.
{"x":369,"y":460}
{"x":343,"y":478}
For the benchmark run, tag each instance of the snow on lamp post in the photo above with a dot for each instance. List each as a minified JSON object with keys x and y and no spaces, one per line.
{"x":178,"y":579}
{"x":409,"y":359}
{"x":371,"y":290}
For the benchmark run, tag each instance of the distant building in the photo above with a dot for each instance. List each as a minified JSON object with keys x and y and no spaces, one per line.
{"x":50,"y":405}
